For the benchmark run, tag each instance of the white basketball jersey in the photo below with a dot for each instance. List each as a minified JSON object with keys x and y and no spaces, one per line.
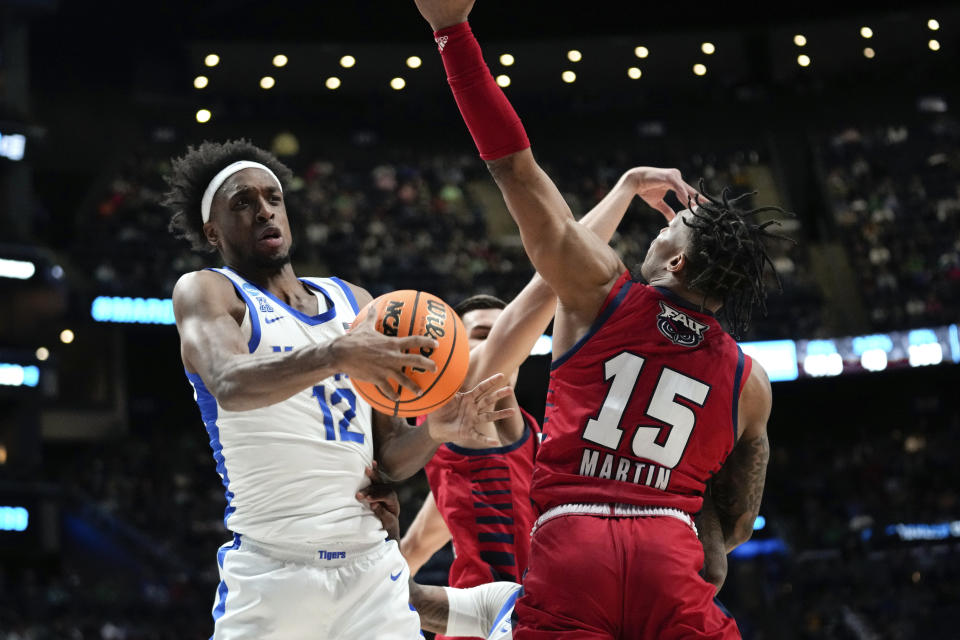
{"x":292,"y":469}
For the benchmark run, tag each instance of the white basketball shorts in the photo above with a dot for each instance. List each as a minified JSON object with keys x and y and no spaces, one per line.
{"x":335,"y":593}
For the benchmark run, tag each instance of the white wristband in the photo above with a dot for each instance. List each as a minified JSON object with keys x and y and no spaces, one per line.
{"x":473,"y":611}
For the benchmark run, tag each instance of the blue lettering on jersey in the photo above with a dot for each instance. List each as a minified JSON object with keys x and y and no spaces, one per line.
{"x":261,"y":299}
{"x":331,"y":555}
{"x":336,"y":397}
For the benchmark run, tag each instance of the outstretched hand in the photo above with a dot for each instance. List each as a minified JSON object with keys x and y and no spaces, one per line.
{"x":444,"y":13}
{"x":366,"y":354}
{"x":652,"y":184}
{"x":467,"y":419}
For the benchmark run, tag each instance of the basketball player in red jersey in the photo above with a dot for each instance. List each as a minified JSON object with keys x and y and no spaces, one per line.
{"x":649,"y":398}
{"x":480,"y":494}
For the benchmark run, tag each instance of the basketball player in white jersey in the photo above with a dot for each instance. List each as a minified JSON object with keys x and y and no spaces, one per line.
{"x":271,"y":362}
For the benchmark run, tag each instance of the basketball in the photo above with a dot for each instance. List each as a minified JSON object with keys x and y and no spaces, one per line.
{"x":417,"y":313}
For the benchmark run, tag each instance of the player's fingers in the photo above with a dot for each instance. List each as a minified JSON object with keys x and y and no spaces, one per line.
{"x":416,"y":361}
{"x":406,"y":383}
{"x":411,"y":343}
{"x":664,"y":208}
{"x":384,"y":387}
{"x":500,"y":414}
{"x":492,"y":396}
{"x":495,"y":381}
{"x":683,"y":190}
{"x":369,"y":321}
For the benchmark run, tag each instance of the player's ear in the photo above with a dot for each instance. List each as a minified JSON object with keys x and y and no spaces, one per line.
{"x":210,"y":233}
{"x":677,"y":263}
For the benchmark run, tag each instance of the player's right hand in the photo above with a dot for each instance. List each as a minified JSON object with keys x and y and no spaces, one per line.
{"x":652,"y":184}
{"x":444,"y":13}
{"x":366,"y":354}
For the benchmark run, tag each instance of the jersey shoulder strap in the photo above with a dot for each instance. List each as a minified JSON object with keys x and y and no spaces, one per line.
{"x":248,"y":293}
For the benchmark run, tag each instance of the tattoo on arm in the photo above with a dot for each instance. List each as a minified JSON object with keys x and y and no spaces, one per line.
{"x":738,"y":488}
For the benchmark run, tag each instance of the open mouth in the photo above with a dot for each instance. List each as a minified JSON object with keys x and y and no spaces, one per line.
{"x":270,"y":236}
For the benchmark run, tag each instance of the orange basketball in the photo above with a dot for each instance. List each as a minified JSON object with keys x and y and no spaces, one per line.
{"x":417,"y":313}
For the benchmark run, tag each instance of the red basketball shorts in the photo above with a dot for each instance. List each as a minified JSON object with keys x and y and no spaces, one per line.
{"x":633,"y":578}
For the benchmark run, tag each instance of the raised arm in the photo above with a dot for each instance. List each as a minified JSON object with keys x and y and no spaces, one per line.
{"x":524,"y":320}
{"x":426,"y":535}
{"x":738,"y":488}
{"x":578,"y":266}
{"x":208,"y":315}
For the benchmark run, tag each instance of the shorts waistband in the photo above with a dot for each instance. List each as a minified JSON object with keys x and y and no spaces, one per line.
{"x":613,"y":511}
{"x":320,"y":554}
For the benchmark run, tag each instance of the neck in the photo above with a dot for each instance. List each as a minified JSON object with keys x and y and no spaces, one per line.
{"x":670,"y":281}
{"x":280,"y":280}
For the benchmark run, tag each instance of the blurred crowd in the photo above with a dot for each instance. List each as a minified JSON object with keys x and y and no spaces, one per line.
{"x":895,"y":195}
{"x":389,"y":221}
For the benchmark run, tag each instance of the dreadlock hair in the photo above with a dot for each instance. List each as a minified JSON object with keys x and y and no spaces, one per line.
{"x":193,"y":171}
{"x":479,"y":301}
{"x":728,"y":255}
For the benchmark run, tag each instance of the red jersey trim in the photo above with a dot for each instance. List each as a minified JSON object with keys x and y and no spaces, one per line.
{"x":683,"y":302}
{"x":605,"y":313}
{"x":744,"y":366}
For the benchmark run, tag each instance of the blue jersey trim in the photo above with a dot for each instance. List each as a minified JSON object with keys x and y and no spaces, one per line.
{"x":254,"y":341}
{"x":208,"y":413}
{"x":506,"y":610}
{"x":722,"y":608}
{"x":296,"y":313}
{"x":498,"y":558}
{"x":737,"y":381}
{"x":487,"y":536}
{"x":683,"y":302}
{"x":597,"y":324}
{"x":499,"y":506}
{"x":493,"y":450}
{"x":347,"y":291}
{"x":221,"y":607}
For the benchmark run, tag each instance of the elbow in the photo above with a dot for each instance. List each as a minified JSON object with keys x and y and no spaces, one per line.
{"x":741,"y":532}
{"x":229,"y":396}
{"x":715,"y":570}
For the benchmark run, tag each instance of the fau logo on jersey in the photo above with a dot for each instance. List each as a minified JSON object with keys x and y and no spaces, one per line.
{"x":678,"y":327}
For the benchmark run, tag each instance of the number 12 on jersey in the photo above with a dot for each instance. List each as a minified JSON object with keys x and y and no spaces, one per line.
{"x":328,"y":398}
{"x":649,"y":441}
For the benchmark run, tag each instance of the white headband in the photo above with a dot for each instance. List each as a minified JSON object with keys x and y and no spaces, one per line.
{"x":221,"y":177}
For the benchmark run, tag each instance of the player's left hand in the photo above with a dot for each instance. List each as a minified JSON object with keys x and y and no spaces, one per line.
{"x":382,"y":500}
{"x":468,"y":418}
{"x":652,"y":184}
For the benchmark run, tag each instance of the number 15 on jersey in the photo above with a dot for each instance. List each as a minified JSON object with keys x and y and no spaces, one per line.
{"x":662,"y":444}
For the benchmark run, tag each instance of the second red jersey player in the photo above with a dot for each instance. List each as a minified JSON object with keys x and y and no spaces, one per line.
{"x":484,"y":497}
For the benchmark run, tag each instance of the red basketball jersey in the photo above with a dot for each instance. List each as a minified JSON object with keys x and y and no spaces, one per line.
{"x":643,"y":409}
{"x":484,"y":497}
